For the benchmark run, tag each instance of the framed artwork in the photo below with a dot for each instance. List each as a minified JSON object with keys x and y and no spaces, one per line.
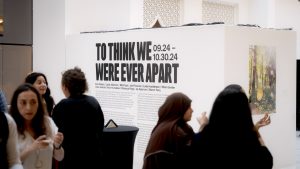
{"x":262,"y":79}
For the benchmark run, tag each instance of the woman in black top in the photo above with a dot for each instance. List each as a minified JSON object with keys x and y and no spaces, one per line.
{"x":230,"y":139}
{"x":80,"y":118}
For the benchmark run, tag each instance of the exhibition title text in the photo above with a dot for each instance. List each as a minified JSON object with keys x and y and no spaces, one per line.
{"x":136,"y":62}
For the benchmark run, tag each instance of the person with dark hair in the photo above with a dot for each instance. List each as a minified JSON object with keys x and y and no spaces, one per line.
{"x":39,"y":81}
{"x":9,"y":154}
{"x":80,"y":118}
{"x":170,"y":140}
{"x":230,"y":139}
{"x":38,"y":139}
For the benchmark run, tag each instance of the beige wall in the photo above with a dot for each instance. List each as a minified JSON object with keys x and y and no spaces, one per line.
{"x":16,"y":63}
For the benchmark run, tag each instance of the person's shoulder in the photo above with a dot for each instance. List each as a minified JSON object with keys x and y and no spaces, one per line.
{"x":10,"y":121}
{"x":91,"y":98}
{"x":63,"y":101}
{"x":50,"y":122}
{"x":60,"y":105}
{"x":9,"y":118}
{"x":48,"y":118}
{"x":88,"y":96}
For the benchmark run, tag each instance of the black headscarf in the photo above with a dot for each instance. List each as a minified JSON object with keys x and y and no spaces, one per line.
{"x":171,"y":133}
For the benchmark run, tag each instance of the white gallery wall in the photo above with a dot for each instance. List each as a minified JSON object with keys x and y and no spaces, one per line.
{"x":285,"y":12}
{"x":54,"y":20}
{"x":237,"y":42}
{"x":207,"y":57}
{"x":95,"y":15}
{"x":49,"y":41}
{"x":199,"y":73}
{"x":50,"y":28}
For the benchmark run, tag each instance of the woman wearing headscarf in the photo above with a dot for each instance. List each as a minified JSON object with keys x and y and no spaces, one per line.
{"x":169,"y":143}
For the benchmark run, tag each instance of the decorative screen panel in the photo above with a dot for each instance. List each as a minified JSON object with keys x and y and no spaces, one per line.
{"x":166,"y":11}
{"x":217,"y":12}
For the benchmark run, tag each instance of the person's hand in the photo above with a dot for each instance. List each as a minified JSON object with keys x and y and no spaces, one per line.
{"x":58,"y":139}
{"x":41,"y":142}
{"x":202,"y":120}
{"x":266,"y":120}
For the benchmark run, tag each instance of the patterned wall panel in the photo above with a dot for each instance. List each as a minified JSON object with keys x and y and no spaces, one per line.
{"x":217,"y":12}
{"x":166,"y":11}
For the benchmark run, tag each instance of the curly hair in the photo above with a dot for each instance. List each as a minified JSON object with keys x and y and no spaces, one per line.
{"x":74,"y":80}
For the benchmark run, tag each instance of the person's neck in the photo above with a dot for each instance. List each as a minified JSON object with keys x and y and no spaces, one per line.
{"x":28,"y":128}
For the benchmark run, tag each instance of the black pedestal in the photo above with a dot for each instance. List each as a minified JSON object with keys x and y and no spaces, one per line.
{"x":298,"y":97}
{"x":118,"y":147}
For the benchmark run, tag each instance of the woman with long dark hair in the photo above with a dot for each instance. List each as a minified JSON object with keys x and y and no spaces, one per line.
{"x":230,"y":139}
{"x":40,"y":82}
{"x":38,"y":137}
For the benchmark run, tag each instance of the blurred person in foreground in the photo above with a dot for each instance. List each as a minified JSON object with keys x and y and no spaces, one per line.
{"x":9,"y":154}
{"x":38,"y":138}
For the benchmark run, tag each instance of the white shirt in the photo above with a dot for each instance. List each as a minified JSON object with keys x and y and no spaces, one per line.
{"x":41,"y":159}
{"x":13,"y":154}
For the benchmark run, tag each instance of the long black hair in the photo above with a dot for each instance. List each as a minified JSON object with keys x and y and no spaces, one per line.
{"x":230,"y":130}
